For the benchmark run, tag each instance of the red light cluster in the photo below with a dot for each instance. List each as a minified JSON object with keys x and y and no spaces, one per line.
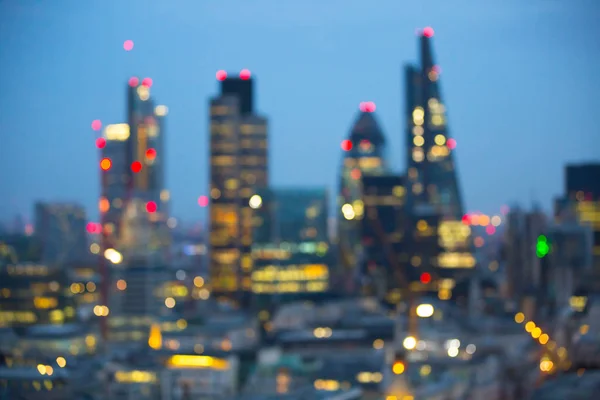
{"x":367,"y":106}
{"x":151,"y":154}
{"x":428,"y":32}
{"x":221,"y":75}
{"x":451,"y":143}
{"x":134,"y":81}
{"x":93,"y":227}
{"x":245,"y":74}
{"x":136,"y":167}
{"x":147,"y":82}
{"x":96,"y":124}
{"x":151,"y":207}
{"x":346,"y":145}
{"x":425,"y":277}
{"x":100,"y":143}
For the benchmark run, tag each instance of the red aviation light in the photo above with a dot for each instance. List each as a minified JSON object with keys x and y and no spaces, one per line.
{"x":96,"y":124}
{"x":128,"y":45}
{"x":93,"y":227}
{"x":136,"y":166}
{"x":147,"y":82}
{"x":100,"y":143}
{"x":451,"y":143}
{"x":150,"y":154}
{"x":466,"y":219}
{"x":245,"y":74}
{"x":151,"y":207}
{"x":203,"y":201}
{"x":367,"y":106}
{"x":134,"y":81}
{"x":105,"y":164}
{"x":221,"y":75}
{"x":425,"y":278}
{"x":346,"y":145}
{"x":428,"y":32}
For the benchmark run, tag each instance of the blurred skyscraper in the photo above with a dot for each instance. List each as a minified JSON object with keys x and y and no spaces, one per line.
{"x":61,"y":231}
{"x":238,"y":165}
{"x":364,"y":155}
{"x":291,"y":246}
{"x":134,"y":202}
{"x":433,"y":192}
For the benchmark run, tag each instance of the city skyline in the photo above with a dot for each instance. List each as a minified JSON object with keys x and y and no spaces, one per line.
{"x":521,"y":106}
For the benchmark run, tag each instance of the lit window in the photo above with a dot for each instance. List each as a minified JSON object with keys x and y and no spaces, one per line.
{"x":418,"y":155}
{"x":419,"y":141}
{"x":418,"y":130}
{"x":440,"y":140}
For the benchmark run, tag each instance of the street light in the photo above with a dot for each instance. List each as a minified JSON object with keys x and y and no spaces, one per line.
{"x":425,"y":310}
{"x":409,"y":342}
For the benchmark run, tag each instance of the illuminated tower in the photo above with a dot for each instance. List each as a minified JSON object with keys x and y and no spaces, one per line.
{"x":364,"y":155}
{"x":442,"y":242}
{"x":238,"y":166}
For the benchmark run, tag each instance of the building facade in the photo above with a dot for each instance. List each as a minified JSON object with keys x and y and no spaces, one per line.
{"x":364,"y":155}
{"x":444,"y":247}
{"x":290,"y":244}
{"x":238,"y":165}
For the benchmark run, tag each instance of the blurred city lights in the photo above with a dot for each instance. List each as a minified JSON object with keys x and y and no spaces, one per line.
{"x":542,"y":247}
{"x":151,"y":207}
{"x":96,"y":124}
{"x":496,"y":220}
{"x":151,"y":154}
{"x":128,"y":45}
{"x":93,"y":227}
{"x":519,"y":317}
{"x":147,"y":82}
{"x":134,"y":81}
{"x":105,"y":164}
{"x":136,"y":166}
{"x":346,"y":145}
{"x":100,"y":143}
{"x":398,"y":368}
{"x":203,"y":201}
{"x":221,"y":75}
{"x":425,"y":277}
{"x":451,"y":143}
{"x":490,"y":229}
{"x":424,"y":310}
{"x":255,"y":202}
{"x":409,"y":342}
{"x":245,"y":74}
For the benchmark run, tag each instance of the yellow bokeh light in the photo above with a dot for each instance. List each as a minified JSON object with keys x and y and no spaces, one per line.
{"x":440,"y":140}
{"x":519,"y":317}
{"x":530,"y":326}
{"x":418,"y":141}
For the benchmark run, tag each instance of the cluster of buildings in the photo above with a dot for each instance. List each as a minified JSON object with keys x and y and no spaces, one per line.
{"x":410,"y":299}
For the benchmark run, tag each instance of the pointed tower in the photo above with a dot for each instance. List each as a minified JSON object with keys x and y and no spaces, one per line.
{"x":442,"y":243}
{"x":364,"y":155}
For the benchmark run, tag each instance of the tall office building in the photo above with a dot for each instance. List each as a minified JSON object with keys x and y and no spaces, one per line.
{"x":364,"y":155}
{"x":433,"y":193}
{"x":61,"y":231}
{"x":134,"y":201}
{"x":290,"y":244}
{"x":238,"y":165}
{"x":581,"y":203}
{"x":384,"y":238}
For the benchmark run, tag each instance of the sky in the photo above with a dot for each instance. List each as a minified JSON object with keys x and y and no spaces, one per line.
{"x":519,"y":80}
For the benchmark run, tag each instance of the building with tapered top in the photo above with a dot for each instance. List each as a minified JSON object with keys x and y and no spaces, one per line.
{"x":238,"y":166}
{"x":364,"y":154}
{"x":434,"y":197}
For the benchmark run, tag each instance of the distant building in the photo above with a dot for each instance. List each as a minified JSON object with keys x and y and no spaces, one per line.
{"x":61,"y":231}
{"x":364,"y":155}
{"x":238,"y":165}
{"x":434,"y":197}
{"x":291,"y":251}
{"x":385,"y":252}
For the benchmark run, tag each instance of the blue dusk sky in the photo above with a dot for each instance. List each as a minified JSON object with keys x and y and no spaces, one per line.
{"x":519,"y":79}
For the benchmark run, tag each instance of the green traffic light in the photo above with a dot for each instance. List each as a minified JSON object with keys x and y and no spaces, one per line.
{"x":542,"y":247}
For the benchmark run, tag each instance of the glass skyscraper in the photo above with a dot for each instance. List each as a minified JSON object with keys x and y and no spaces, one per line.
{"x":443,"y":244}
{"x":364,"y":155}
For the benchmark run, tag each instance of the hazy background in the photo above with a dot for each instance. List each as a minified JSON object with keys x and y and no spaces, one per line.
{"x":519,"y":79}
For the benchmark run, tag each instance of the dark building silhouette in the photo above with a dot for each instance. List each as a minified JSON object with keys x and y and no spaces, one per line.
{"x":364,"y":155}
{"x":443,"y":245}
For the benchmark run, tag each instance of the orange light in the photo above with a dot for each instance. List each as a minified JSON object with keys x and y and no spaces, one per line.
{"x":103,"y":205}
{"x":398,"y":368}
{"x":105,"y":164}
